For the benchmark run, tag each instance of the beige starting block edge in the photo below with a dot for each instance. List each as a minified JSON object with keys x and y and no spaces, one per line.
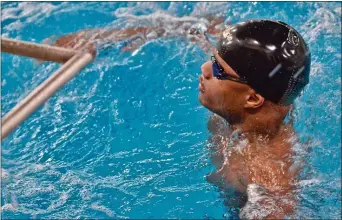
{"x":74,"y":62}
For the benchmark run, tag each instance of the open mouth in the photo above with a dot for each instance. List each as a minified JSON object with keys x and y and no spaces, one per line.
{"x":200,"y":87}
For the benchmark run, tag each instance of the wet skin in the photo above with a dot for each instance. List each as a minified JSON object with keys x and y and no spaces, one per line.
{"x":260,"y":155}
{"x":265,"y":158}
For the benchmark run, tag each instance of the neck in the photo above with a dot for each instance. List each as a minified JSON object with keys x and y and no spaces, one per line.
{"x":264,"y":123}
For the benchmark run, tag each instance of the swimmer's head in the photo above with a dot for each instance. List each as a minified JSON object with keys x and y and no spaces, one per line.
{"x":270,"y":60}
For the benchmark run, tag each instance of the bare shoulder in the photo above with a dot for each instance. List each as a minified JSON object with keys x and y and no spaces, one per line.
{"x":272,"y":166}
{"x":216,"y":124}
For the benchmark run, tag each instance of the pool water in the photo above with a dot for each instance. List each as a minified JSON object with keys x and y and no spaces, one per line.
{"x":126,"y":138}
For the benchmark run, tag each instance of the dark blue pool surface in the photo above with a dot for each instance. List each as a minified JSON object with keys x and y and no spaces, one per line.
{"x":126,"y":137}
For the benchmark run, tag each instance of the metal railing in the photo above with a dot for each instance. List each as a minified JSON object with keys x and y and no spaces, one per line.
{"x":74,"y":61}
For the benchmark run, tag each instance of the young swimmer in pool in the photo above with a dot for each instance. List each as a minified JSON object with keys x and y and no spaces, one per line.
{"x":257,"y":70}
{"x":149,"y":27}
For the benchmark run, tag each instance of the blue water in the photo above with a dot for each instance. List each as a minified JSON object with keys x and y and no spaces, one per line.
{"x":126,"y":137}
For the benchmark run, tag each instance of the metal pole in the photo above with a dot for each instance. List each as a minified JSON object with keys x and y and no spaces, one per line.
{"x":39,"y":95}
{"x":38,"y":51}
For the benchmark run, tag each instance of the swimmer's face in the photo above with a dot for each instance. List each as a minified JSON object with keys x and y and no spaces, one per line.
{"x":223,"y":97}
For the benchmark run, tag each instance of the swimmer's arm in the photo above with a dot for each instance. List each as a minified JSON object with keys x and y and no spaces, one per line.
{"x":286,"y":204}
{"x":71,"y":41}
{"x":277,"y":182}
{"x":79,"y":39}
{"x":215,"y":21}
{"x":265,"y":208}
{"x":279,"y":210}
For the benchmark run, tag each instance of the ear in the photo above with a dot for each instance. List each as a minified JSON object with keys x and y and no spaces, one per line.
{"x":254,"y":100}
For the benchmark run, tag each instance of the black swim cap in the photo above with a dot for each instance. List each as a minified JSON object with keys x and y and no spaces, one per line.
{"x":270,"y":55}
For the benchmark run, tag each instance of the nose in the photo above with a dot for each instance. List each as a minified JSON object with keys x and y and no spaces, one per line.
{"x":207,"y":70}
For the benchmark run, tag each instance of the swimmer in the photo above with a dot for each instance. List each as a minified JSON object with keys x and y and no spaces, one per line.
{"x":258,"y":69}
{"x":154,"y":26}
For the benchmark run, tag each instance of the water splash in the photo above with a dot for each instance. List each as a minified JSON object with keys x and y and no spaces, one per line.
{"x":109,"y":131}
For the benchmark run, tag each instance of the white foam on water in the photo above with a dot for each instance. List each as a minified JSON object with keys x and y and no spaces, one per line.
{"x":14,"y":201}
{"x":323,"y":22}
{"x":4,"y":175}
{"x":171,"y":25}
{"x":309,"y":183}
{"x":59,"y":202}
{"x":115,"y":113}
{"x":261,"y":203}
{"x":26,"y":13}
{"x":103,"y":209}
{"x":8,"y":207}
{"x":203,"y":9}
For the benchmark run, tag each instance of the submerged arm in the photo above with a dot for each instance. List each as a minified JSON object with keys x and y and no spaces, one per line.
{"x":140,"y":34}
{"x":271,"y":194}
{"x":263,"y":204}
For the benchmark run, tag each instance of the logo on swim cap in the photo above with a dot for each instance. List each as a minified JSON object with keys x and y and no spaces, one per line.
{"x":292,"y":38}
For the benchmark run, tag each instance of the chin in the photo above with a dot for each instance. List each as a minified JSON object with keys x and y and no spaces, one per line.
{"x":208,"y":105}
{"x":202,"y":99}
